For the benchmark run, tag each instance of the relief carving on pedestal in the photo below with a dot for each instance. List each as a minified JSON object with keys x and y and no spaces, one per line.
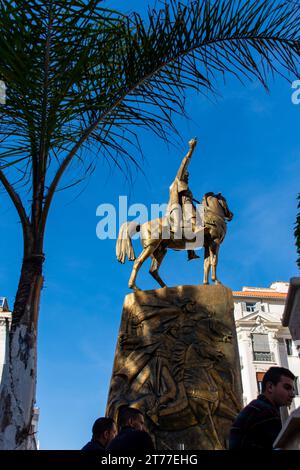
{"x":171,"y":363}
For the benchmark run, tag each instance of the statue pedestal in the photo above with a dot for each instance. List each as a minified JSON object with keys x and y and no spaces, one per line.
{"x":177,"y":361}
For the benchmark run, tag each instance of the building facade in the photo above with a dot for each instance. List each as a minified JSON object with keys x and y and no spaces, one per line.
{"x":5,"y":322}
{"x":262,"y":340}
{"x":291,"y":316}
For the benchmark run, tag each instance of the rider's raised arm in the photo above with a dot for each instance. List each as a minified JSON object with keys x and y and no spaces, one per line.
{"x":185,"y":162}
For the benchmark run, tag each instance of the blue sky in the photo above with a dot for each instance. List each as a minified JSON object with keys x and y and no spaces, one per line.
{"x":248,"y":149}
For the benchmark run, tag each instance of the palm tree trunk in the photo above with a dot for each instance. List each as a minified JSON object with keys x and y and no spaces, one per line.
{"x":18,"y":389}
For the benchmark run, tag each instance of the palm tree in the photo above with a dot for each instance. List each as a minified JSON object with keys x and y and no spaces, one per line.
{"x":80,"y":80}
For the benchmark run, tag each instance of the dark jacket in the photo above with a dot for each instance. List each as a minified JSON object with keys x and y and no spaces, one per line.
{"x":256,"y":426}
{"x":131,"y":440}
{"x":94,"y":445}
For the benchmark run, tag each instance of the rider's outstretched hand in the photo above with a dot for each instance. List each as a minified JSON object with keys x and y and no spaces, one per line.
{"x":193,"y":143}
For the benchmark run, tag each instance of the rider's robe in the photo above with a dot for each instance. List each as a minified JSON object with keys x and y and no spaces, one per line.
{"x":181,"y":212}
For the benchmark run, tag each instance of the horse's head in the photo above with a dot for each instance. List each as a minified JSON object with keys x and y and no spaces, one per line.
{"x":228,"y":215}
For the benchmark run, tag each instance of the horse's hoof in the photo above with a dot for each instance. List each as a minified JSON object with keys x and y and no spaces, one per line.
{"x":193,"y":256}
{"x":218,"y":283}
{"x":219,"y":447}
{"x":205,"y":283}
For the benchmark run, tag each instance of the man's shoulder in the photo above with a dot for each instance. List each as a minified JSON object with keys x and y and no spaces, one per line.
{"x":259,"y":408}
{"x":93,"y":445}
{"x":262,"y":404}
{"x":131,"y":439}
{"x":137,"y":434}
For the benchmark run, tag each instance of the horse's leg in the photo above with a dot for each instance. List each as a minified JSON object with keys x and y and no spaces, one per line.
{"x":218,"y":445}
{"x":138,"y":263}
{"x":157,"y":258}
{"x":202,"y":411}
{"x":214,"y":251}
{"x":206,"y":264}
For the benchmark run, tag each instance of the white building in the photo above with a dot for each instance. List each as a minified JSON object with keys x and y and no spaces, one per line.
{"x":291,"y":317}
{"x":5,"y":322}
{"x":263,"y":341}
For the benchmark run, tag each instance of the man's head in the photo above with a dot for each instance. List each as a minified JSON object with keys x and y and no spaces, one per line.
{"x":104,"y":430}
{"x":278,"y":386}
{"x":131,"y":417}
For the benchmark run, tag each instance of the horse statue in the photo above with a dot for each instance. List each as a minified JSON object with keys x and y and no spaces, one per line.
{"x":155,"y":244}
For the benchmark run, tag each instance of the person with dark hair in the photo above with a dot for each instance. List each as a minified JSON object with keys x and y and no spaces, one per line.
{"x":259,"y":423}
{"x":104,"y":430}
{"x":132,"y":434}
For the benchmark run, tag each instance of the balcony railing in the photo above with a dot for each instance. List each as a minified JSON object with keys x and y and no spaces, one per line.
{"x":263,"y":356}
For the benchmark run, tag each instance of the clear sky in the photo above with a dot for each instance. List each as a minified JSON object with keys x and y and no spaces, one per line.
{"x":248,"y":149}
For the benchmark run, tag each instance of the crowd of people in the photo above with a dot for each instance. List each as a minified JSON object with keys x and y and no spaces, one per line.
{"x":256,"y":426}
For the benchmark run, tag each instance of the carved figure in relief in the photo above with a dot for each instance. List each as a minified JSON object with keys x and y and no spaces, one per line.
{"x":177,"y":367}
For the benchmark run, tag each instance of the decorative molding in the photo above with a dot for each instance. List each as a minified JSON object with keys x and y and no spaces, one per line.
{"x":259,"y":326}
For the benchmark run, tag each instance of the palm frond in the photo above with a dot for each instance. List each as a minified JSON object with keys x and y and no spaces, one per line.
{"x":76,"y":72}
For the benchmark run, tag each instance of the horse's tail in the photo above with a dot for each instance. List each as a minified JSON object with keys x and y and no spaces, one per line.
{"x":124,"y":246}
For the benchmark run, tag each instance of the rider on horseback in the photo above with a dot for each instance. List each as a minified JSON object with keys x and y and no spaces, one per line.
{"x":190,"y":228}
{"x":181,"y":211}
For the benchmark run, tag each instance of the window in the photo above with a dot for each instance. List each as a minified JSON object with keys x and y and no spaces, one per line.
{"x":289,"y":347}
{"x":260,"y":342}
{"x":259,"y":379}
{"x":261,"y":348}
{"x":250,"y":306}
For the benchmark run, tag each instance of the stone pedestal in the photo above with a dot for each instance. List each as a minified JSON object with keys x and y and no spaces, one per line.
{"x":177,"y":361}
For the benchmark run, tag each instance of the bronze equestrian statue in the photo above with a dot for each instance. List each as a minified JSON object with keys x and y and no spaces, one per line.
{"x":170,"y":232}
